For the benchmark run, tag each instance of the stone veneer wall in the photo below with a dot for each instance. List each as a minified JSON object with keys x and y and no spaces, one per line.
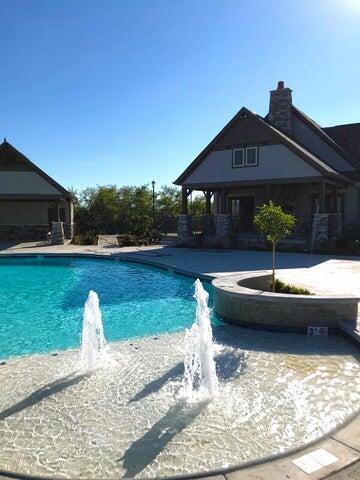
{"x":248,"y":307}
{"x":23,"y":232}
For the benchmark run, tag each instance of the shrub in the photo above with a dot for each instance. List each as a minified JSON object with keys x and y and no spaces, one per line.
{"x":89,"y":238}
{"x":281,"y":287}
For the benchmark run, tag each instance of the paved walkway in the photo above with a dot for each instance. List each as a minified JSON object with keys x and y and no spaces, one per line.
{"x":350,"y":473}
{"x":320,"y":273}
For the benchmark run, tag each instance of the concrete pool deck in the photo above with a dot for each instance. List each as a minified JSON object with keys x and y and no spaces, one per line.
{"x":319,"y":273}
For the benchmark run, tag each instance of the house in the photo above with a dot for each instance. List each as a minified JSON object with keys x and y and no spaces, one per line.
{"x":286,"y":157}
{"x":30,"y":200}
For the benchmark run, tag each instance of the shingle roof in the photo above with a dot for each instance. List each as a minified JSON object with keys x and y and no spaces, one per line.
{"x":309,"y":157}
{"x":347,"y":136}
{"x":324,"y":134}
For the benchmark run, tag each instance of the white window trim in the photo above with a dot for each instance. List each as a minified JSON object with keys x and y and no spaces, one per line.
{"x":233,"y":158}
{"x":256,"y":157}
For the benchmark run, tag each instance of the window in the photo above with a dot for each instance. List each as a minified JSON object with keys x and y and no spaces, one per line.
{"x":238,"y":158}
{"x":245,"y":157}
{"x":251,"y":156}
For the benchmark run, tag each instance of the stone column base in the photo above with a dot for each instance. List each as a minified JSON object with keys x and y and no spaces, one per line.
{"x":185,"y":235}
{"x":57,"y":233}
{"x":223,"y":235}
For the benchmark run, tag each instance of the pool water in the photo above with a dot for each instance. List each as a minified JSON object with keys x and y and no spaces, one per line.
{"x":42,"y":300}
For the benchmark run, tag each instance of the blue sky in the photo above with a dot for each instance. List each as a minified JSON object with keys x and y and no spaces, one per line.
{"x":103,"y":92}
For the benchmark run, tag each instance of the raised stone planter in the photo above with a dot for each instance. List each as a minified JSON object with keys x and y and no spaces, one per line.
{"x":243,"y":301}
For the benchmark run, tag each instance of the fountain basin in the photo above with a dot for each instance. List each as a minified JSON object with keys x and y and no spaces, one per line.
{"x":243,"y":300}
{"x":276,"y":391}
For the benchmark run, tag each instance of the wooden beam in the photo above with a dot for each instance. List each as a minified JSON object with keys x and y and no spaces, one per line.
{"x":184,"y":201}
{"x":322,"y":197}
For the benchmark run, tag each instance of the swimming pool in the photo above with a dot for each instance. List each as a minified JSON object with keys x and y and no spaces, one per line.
{"x":42,"y":300}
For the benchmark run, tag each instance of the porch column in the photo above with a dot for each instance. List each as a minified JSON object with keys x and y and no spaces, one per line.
{"x":184,"y":232}
{"x":223,"y":223}
{"x":334,"y":196}
{"x":223,"y":201}
{"x":322,"y":197}
{"x":184,"y":201}
{"x":208,"y":196}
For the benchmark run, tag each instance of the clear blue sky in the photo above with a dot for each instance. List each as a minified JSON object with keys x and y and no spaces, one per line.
{"x":102,"y":92}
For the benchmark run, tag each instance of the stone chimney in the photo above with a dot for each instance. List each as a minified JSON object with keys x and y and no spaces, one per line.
{"x":280,"y":108}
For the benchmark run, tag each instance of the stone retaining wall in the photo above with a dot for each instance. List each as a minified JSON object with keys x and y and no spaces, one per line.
{"x":253,"y":307}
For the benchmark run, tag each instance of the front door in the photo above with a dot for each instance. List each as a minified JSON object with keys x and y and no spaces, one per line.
{"x":242,"y":210}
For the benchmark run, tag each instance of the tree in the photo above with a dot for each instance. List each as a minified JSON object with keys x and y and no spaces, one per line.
{"x":274,"y":224}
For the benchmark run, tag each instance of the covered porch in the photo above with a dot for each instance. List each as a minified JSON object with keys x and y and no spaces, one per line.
{"x":319,"y":208}
{"x":30,"y":217}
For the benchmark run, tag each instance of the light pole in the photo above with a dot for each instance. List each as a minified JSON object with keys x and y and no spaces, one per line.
{"x":153,"y":202}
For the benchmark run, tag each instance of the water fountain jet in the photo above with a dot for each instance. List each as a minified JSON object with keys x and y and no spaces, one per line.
{"x":199,"y":365}
{"x":93,"y":344}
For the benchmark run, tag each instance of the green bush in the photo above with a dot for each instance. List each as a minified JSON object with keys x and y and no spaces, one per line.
{"x":89,"y":238}
{"x":281,"y":287}
{"x":132,"y":240}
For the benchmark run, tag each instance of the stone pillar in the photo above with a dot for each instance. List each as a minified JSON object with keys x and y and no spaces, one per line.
{"x":223,"y":230}
{"x":320,"y":229}
{"x":185,"y":235}
{"x":57,"y":233}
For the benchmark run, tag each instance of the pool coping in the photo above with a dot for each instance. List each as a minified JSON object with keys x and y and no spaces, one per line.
{"x":344,"y":438}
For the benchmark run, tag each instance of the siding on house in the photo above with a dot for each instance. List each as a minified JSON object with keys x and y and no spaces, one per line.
{"x":274,"y":161}
{"x":23,"y":183}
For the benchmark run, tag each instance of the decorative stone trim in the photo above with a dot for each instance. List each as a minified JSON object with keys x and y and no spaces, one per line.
{"x":242,"y":300}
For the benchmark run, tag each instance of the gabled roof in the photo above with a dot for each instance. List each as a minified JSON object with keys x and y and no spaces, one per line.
{"x":13,"y":160}
{"x":277,"y":135}
{"x":347,"y":136}
{"x":323,"y":133}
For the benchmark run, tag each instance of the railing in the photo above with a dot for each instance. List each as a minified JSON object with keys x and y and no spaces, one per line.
{"x":352,"y":233}
{"x":243,"y":223}
{"x":303,"y":225}
{"x":196,"y":224}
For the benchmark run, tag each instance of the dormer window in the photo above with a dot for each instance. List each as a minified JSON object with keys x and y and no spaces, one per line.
{"x":251,"y":156}
{"x":245,"y":157}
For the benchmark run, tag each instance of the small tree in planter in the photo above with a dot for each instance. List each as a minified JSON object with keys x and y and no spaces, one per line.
{"x":274,"y":224}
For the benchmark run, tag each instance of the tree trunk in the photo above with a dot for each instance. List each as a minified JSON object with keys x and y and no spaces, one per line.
{"x":273,"y":266}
